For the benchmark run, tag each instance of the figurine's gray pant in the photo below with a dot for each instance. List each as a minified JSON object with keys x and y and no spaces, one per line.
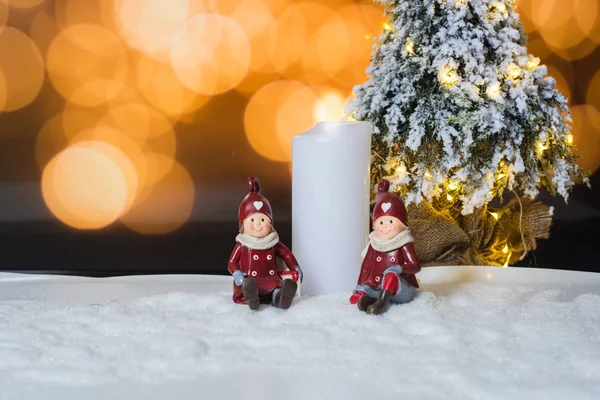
{"x":405,"y":293}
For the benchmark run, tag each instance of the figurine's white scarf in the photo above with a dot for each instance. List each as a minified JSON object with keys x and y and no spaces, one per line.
{"x":385,"y":245}
{"x":255,"y":243}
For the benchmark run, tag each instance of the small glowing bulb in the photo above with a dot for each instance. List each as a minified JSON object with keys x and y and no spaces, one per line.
{"x":500,"y":176}
{"x":428,"y":175}
{"x":387,"y":26}
{"x":452,"y":186}
{"x":500,"y":6}
{"x":532,"y":63}
{"x":502,"y":163}
{"x":449,"y":197}
{"x":448,"y":76}
{"x":351,"y":117}
{"x":410,"y":46}
{"x":570,"y":139}
{"x":513,"y":71}
{"x":401,"y":169}
{"x":493,"y":91}
{"x":505,"y":249}
{"x":495,"y":215}
{"x":541,"y":147}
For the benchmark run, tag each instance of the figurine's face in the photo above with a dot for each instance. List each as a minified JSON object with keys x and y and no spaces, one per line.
{"x":387,"y":227}
{"x":257,"y":225}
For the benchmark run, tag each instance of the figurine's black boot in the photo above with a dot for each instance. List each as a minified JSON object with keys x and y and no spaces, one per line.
{"x":250,"y":289}
{"x":284,"y":298}
{"x":364,"y":302}
{"x":381,"y":305}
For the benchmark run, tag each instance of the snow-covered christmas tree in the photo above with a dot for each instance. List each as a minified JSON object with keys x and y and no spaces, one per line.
{"x":462,"y":113}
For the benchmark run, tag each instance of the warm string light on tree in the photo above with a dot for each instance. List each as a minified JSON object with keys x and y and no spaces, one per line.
{"x":409,"y":48}
{"x":448,"y":76}
{"x":513,"y":71}
{"x":532,"y":63}
{"x":499,"y":7}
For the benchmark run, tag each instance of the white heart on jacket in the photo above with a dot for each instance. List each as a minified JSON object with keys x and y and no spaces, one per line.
{"x":258,"y":204}
{"x":386,"y":206}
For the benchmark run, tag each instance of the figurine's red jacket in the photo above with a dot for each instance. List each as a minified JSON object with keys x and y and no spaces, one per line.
{"x":260,"y":265}
{"x":375,"y":263}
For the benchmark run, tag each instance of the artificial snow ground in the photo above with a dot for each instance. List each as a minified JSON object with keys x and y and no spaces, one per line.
{"x":472,"y":333}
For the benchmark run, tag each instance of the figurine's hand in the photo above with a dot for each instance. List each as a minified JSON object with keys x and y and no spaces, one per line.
{"x":238,"y":277}
{"x":300,"y":274}
{"x":395,"y":269}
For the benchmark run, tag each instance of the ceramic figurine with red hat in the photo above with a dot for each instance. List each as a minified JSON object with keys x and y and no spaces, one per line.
{"x":254,"y":260}
{"x":390,"y":262}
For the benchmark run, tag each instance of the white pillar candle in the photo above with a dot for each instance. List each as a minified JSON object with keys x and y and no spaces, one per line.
{"x":330,"y":204}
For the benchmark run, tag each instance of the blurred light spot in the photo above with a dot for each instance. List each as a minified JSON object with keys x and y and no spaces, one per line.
{"x":564,"y":79}
{"x":69,"y":12}
{"x":50,"y":141}
{"x":260,"y":120}
{"x":551,"y":14}
{"x":3,"y":13}
{"x":586,"y":135}
{"x":76,"y":119}
{"x":593,"y":91}
{"x":24,"y":3}
{"x":287,"y":38}
{"x":538,"y":48}
{"x":101,"y":68}
{"x":294,"y":115}
{"x":166,"y":206}
{"x":84,"y":187}
{"x":524,"y":10}
{"x":137,"y":120}
{"x":329,"y":107}
{"x":363,"y":22}
{"x":328,"y":50}
{"x":23,"y":69}
{"x":210,"y":54}
{"x":43,"y":30}
{"x":254,"y":16}
{"x":149,"y":26}
{"x":161,"y":88}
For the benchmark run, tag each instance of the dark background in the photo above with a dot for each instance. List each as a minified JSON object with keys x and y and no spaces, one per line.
{"x":219,"y":161}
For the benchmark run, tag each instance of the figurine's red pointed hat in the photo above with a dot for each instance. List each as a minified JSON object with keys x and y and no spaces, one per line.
{"x":254,"y":202}
{"x":389,"y":204}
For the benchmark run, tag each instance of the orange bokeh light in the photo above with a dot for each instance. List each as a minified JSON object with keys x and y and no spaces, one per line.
{"x":586,"y":135}
{"x":22,"y":67}
{"x":593,"y":91}
{"x":275,"y":114}
{"x":363,"y":23}
{"x":84,"y":187}
{"x":166,"y":206}
{"x":286,"y":40}
{"x":24,"y":3}
{"x":100,"y":71}
{"x":149,"y":26}
{"x":3,"y":13}
{"x":564,"y":79}
{"x":328,"y":50}
{"x":43,"y":30}
{"x":158,"y":84}
{"x":69,"y":12}
{"x":210,"y":54}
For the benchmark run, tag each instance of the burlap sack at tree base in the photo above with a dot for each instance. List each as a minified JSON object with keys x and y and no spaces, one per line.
{"x":442,"y":238}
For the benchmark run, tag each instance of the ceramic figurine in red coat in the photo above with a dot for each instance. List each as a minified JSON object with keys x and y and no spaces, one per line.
{"x":387,"y":274}
{"x":253,"y":262}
